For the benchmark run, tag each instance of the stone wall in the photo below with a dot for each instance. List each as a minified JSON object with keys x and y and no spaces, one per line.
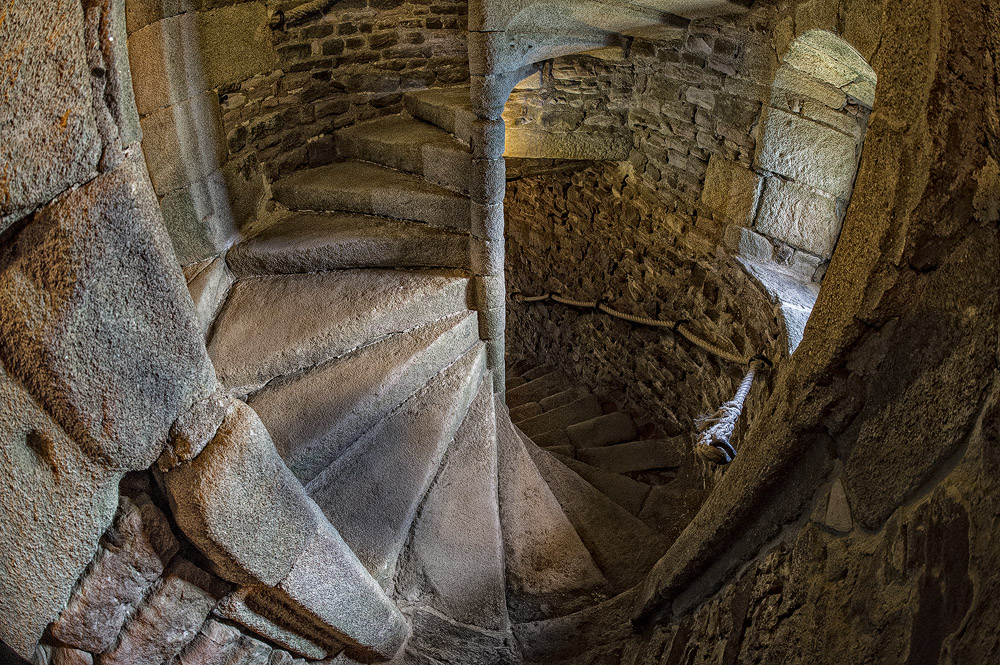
{"x":719,"y":129}
{"x":335,"y":69}
{"x":148,"y":597}
{"x":95,"y":320}
{"x":597,"y":232}
{"x":858,"y":524}
{"x":181,"y":55}
{"x":231,"y":98}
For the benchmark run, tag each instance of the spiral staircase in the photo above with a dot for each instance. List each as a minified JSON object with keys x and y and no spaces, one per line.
{"x":353,"y":333}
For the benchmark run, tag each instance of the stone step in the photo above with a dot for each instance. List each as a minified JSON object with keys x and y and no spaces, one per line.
{"x":521,"y":413}
{"x":628,"y":493}
{"x":438,"y":640}
{"x":536,"y":372}
{"x":456,"y":548}
{"x":370,"y":189}
{"x":606,"y":430}
{"x":372,"y":492}
{"x":276,"y":325}
{"x":407,"y":144}
{"x":559,"y":639}
{"x":637,"y":455}
{"x":623,"y":546}
{"x":311,"y":242}
{"x":548,"y":565}
{"x":553,"y":439}
{"x":538,"y":389}
{"x":558,"y":419}
{"x":314,"y":417}
{"x":513,"y":382}
{"x":563,"y":398}
{"x":449,"y":108}
{"x":669,"y":510}
{"x":520,"y":367}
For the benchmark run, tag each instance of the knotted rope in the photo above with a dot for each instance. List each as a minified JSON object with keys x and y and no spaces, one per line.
{"x":716,"y":430}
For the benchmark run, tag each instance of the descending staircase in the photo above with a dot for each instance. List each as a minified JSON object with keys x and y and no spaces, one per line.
{"x":352,"y":330}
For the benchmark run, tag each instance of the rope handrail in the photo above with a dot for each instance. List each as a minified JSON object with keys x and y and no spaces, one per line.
{"x":714,"y":432}
{"x":681,"y":327}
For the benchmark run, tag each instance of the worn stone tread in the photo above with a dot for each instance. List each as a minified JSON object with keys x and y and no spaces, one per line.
{"x":408,"y":144}
{"x":545,"y":558}
{"x":536,"y":389}
{"x":624,"y":547}
{"x":449,"y":108}
{"x":370,"y":189}
{"x":628,"y":493}
{"x":582,"y":409}
{"x":314,"y":416}
{"x":525,"y":411}
{"x":609,"y":429}
{"x":520,"y":367}
{"x":513,"y":382}
{"x":560,"y":638}
{"x":553,"y":439}
{"x":276,"y":325}
{"x":372,"y":492}
{"x":456,"y":549}
{"x":309,"y":242}
{"x":636,"y":455}
{"x":563,"y":398}
{"x":539,"y":371}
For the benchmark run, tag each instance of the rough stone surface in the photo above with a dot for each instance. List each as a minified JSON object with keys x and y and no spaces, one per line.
{"x":183,"y":145}
{"x":274,"y":326}
{"x":239,"y":503}
{"x":213,"y":645}
{"x":456,"y":553}
{"x":372,"y":492}
{"x":317,"y":416}
{"x":193,"y":430}
{"x":169,"y":617}
{"x":234,"y":608}
{"x":566,"y":636}
{"x":54,"y":505}
{"x":801,"y":217}
{"x":183,"y":55}
{"x":198,"y":216}
{"x":97,"y":265}
{"x":209,"y":287}
{"x":544,"y":555}
{"x":731,"y":190}
{"x":440,"y":639}
{"x":330,"y":589}
{"x":789,"y":146}
{"x":132,"y":557}
{"x":51,"y":138}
